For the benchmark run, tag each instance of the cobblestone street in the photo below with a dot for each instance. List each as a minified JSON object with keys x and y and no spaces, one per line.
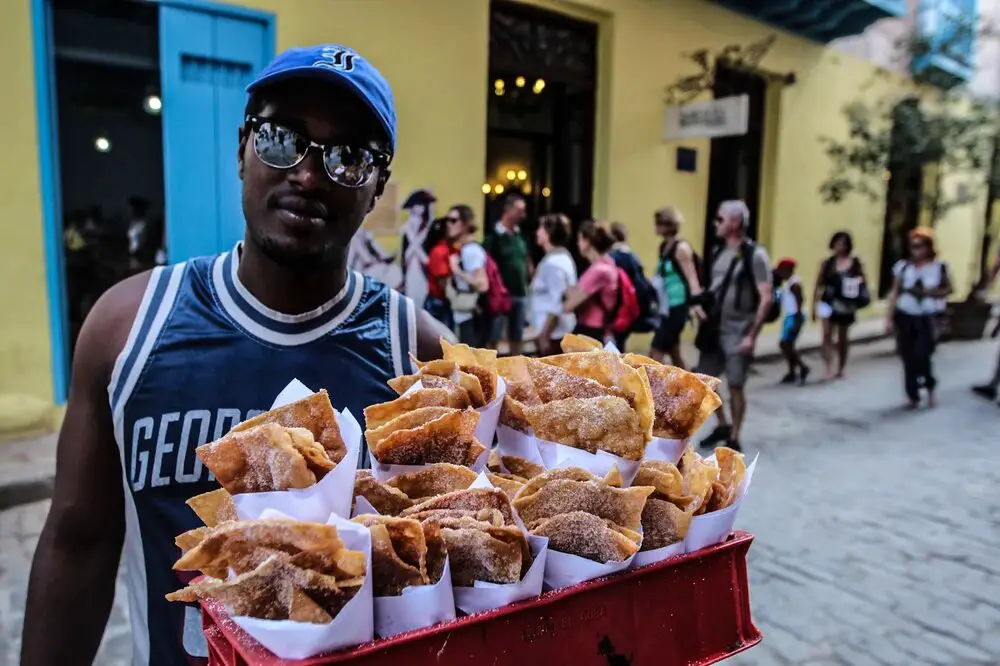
{"x":877,"y":529}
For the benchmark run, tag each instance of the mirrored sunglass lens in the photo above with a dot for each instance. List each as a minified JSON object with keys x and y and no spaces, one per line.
{"x":278,"y":146}
{"x":348,"y":166}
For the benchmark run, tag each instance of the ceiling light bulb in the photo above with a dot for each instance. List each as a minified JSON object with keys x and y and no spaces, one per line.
{"x":102,"y":144}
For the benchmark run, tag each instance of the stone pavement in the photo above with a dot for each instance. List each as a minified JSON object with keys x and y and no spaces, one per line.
{"x":877,"y":530}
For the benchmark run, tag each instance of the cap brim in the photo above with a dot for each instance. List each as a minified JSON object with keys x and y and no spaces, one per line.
{"x":323,"y":75}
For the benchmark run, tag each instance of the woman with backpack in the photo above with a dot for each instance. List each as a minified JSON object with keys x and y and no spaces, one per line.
{"x":841,"y":290}
{"x":919,"y":296}
{"x":555,"y":274}
{"x":468,"y":276}
{"x":677,"y":275}
{"x":595,"y":299}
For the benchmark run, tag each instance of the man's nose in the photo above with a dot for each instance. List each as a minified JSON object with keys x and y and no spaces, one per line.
{"x":310,"y":174}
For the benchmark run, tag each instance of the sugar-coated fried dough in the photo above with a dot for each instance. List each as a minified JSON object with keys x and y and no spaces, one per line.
{"x":732,"y":469}
{"x":681,"y":401}
{"x":188,"y":540}
{"x":552,"y":383}
{"x":399,"y":554}
{"x":437,"y":551}
{"x":213,"y":507}
{"x":590,"y":424}
{"x":433,"y":480}
{"x":698,"y":477}
{"x":508,"y":483}
{"x":316,"y":457}
{"x":493,"y":462}
{"x":712,"y":382}
{"x":450,"y":396}
{"x":385,"y":499}
{"x":586,"y":535}
{"x":257,"y":459}
{"x":622,"y":506}
{"x":573,"y":343}
{"x":665,"y":478}
{"x":487,"y":382}
{"x":491,"y":516}
{"x":301,"y":608}
{"x":663,"y":524}
{"x":534,"y":484}
{"x":521,"y":467}
{"x":472,"y":499}
{"x":478,"y":551}
{"x":609,"y":369}
{"x":315,"y":413}
{"x":638,"y":360}
{"x":428,"y":435}
{"x":520,"y":392}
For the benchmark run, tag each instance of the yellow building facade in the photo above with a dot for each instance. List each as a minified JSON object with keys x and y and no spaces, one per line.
{"x":435,"y":54}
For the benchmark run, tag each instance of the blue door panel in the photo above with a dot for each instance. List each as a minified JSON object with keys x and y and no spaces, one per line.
{"x":241,"y":45}
{"x":189,"y":154}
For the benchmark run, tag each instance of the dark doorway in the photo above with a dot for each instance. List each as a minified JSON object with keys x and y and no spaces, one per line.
{"x":904,"y":193}
{"x":110,"y":145}
{"x":735,"y":164}
{"x":541,"y":101}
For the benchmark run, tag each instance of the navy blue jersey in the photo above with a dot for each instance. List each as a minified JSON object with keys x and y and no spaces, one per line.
{"x":203,"y":354}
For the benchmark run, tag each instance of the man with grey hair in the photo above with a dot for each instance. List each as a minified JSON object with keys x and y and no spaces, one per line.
{"x":736,"y":304}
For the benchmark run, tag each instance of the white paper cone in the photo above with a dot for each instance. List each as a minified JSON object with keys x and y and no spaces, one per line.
{"x":417,"y":607}
{"x":564,"y":570}
{"x":611,"y":347}
{"x":560,"y":456}
{"x":485,"y":596}
{"x":667,"y":450}
{"x":489,"y":415}
{"x":515,"y":443}
{"x":642,"y":558}
{"x":709,"y":529}
{"x":362,"y":507}
{"x":353,"y":625}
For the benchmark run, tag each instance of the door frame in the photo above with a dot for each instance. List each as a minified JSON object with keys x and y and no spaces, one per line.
{"x":50,"y":187}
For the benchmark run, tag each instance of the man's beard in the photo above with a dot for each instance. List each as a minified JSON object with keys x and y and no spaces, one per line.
{"x":299,"y":259}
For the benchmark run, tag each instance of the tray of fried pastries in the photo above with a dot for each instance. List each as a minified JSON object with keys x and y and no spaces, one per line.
{"x":578,"y":525}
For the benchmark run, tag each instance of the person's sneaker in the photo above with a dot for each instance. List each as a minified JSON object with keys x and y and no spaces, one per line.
{"x":985,"y":391}
{"x":789,"y":378}
{"x":804,"y":373}
{"x":718,"y":436}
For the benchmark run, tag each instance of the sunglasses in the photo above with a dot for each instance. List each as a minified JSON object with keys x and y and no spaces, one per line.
{"x":282,"y":148}
{"x":719,"y":219}
{"x":453,"y":220}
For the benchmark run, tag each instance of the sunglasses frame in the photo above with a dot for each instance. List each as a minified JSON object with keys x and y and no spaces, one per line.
{"x":381,"y":158}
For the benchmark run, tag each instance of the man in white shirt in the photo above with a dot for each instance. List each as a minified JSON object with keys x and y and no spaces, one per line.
{"x":990,"y":389}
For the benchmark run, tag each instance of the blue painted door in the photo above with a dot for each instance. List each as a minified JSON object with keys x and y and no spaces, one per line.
{"x":206,"y":60}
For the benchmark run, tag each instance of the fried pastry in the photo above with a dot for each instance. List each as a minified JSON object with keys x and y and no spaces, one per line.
{"x":573,"y":343}
{"x":698,"y":476}
{"x":552,"y":383}
{"x":480,"y":551}
{"x":665,"y":478}
{"x":213,"y":507}
{"x":732,"y":469}
{"x":258,"y":459}
{"x":491,"y":516}
{"x":663,"y":524}
{"x":314,"y":413}
{"x":385,"y":499}
{"x":508,"y":483}
{"x":621,"y":506}
{"x":590,"y":424}
{"x":521,"y":467}
{"x":586,"y":535}
{"x":433,"y":480}
{"x":472,"y":499}
{"x":399,"y":553}
{"x":451,"y":395}
{"x":428,"y":435}
{"x":681,"y":401}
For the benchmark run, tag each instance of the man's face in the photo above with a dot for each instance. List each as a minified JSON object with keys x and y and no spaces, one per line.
{"x":725,"y":224}
{"x":518,"y":211}
{"x":298,"y":216}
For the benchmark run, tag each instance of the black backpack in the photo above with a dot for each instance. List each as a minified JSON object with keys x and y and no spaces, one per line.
{"x":645,"y":293}
{"x":746,"y":283}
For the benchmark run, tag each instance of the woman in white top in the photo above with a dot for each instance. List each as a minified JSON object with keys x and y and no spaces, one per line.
{"x":554,"y":276}
{"x":919,"y":294}
{"x":469,"y":281}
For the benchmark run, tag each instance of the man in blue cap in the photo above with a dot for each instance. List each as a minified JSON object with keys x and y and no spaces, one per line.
{"x":173,"y":358}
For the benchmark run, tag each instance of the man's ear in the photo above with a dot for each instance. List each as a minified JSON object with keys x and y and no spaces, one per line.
{"x":240,"y":151}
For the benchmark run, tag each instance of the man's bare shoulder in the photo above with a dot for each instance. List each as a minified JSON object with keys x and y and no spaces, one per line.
{"x":108,"y":324}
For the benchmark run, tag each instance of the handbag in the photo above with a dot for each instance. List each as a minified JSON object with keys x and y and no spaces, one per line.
{"x":706,"y":340}
{"x":460,"y":301}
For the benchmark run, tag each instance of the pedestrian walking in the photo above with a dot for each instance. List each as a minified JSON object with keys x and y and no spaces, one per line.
{"x":789,"y":289}
{"x":679,"y":282}
{"x":595,"y":298}
{"x":990,"y":389}
{"x":174,"y":357}
{"x":507,"y":248}
{"x":919,"y":291}
{"x":736,"y":305}
{"x":841,"y":290}
{"x":468,"y":281}
{"x":555,"y":275}
{"x":646,"y":297}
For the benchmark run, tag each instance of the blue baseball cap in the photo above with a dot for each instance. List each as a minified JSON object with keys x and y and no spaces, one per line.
{"x":340,"y":65}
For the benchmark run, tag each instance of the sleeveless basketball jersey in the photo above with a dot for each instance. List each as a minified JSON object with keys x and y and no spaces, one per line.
{"x":202,"y":355}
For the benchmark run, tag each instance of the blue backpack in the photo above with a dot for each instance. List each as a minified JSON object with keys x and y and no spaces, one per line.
{"x":645,"y":293}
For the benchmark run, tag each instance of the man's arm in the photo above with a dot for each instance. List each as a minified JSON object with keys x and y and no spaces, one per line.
{"x":72,"y":582}
{"x":429,"y":334}
{"x":765,"y":290}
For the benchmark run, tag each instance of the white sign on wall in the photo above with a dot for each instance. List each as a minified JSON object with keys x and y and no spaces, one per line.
{"x":727,"y":116}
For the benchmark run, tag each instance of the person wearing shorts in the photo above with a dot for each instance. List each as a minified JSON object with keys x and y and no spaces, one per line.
{"x":789,"y":288}
{"x":678,"y":281}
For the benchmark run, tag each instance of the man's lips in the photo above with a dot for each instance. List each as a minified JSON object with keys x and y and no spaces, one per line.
{"x":301,"y":212}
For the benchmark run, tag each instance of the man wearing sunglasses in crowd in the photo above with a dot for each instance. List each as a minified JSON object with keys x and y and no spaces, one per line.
{"x":173,"y":358}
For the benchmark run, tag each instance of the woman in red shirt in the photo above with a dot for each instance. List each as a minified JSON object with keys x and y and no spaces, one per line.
{"x":438,"y":274}
{"x":594,"y":298}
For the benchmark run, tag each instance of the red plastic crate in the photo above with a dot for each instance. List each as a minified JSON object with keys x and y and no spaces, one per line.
{"x":688,"y":611}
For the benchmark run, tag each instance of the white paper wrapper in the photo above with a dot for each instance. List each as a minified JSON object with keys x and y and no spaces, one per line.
{"x":332,"y":494}
{"x":353,"y":625}
{"x":711,"y":528}
{"x":642,"y":558}
{"x":485,"y":430}
{"x":483,"y":596}
{"x":563,"y":570}
{"x":611,"y":347}
{"x":551,"y":455}
{"x":667,"y":450}
{"x":419,"y":605}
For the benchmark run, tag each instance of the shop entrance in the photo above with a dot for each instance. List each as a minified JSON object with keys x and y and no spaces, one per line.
{"x":735,"y":164}
{"x":139,"y":105}
{"x":541,"y":101}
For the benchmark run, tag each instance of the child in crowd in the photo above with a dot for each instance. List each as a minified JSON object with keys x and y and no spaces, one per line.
{"x":789,"y":286}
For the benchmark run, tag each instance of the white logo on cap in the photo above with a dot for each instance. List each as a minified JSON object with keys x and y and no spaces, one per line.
{"x":336,"y":57}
